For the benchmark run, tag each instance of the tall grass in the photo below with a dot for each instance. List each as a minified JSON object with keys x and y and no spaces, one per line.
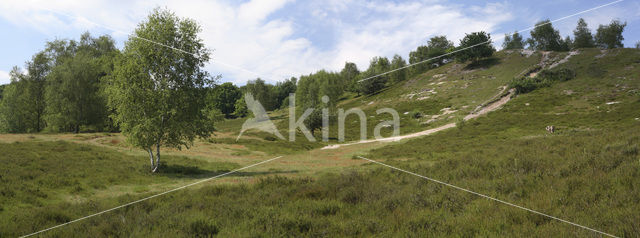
{"x":587,"y":172}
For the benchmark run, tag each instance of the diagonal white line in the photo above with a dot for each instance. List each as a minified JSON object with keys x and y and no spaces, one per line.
{"x":147,"y":198}
{"x":388,"y":72}
{"x":487,"y":197}
{"x":489,"y":41}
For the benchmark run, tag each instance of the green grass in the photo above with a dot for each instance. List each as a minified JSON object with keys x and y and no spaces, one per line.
{"x":462,"y":89}
{"x":36,"y":176}
{"x":270,"y":145}
{"x":587,"y":172}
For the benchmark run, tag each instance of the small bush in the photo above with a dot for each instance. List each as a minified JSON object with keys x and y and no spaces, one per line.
{"x":327,"y":208}
{"x":415,"y":114}
{"x":460,"y":123}
{"x":203,"y":228}
{"x":544,"y":79}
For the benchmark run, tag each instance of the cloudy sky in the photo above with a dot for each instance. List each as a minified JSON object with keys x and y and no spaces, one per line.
{"x":277,"y":39}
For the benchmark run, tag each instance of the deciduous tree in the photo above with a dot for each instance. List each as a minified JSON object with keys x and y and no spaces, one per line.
{"x":309,"y":95}
{"x":262,"y":92}
{"x":400,"y":73}
{"x":545,"y":37}
{"x":38,"y":69}
{"x":13,"y":117}
{"x":223,"y":98}
{"x":513,"y":42}
{"x":438,"y":46}
{"x":610,"y":36}
{"x":283,"y":89}
{"x":159,"y":93}
{"x":476,"y":45}
{"x":349,"y":74}
{"x":372,"y":81}
{"x":74,"y":91}
{"x":582,"y":37}
{"x":417,"y":57}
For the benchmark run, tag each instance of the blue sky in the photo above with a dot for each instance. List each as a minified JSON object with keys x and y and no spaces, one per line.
{"x":277,"y":39}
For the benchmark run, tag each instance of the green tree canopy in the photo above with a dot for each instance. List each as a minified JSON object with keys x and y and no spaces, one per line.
{"x":159,"y":93}
{"x":309,"y":94}
{"x":610,"y":36}
{"x":223,"y":98}
{"x":437,"y":46}
{"x":262,"y":92}
{"x":74,"y":91}
{"x":349,"y":74}
{"x":370,"y":84}
{"x":38,"y":69}
{"x":400,"y":73}
{"x":241,"y":109}
{"x":582,"y":37}
{"x":545,"y":37}
{"x":13,"y":116}
{"x":283,"y":89}
{"x":24,"y":101}
{"x":566,"y":44}
{"x":420,"y":54}
{"x":513,"y":42}
{"x":476,"y":45}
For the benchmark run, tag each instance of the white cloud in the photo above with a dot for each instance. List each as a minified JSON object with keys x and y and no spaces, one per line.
{"x":602,"y":17}
{"x":4,"y":77}
{"x":57,"y":18}
{"x":255,"y":37}
{"x":402,"y":27}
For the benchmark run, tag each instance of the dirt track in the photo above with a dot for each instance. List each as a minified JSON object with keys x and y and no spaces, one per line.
{"x":484,"y":110}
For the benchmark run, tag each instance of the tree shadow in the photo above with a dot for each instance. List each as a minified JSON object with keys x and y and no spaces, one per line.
{"x":182,"y":171}
{"x":249,"y":174}
{"x":278,"y":117}
{"x":193,"y":172}
{"x":483,"y":63}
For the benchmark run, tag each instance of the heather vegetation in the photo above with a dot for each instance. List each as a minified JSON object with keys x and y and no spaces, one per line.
{"x":73,"y":153}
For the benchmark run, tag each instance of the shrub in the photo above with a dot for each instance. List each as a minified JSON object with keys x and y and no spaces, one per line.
{"x":415,"y":114}
{"x":203,"y":228}
{"x":460,"y":122}
{"x":544,"y":79}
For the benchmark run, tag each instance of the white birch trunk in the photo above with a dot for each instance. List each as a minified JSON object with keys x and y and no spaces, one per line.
{"x":151,"y":157}
{"x":157,"y":164}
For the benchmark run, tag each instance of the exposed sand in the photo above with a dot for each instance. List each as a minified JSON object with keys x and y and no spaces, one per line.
{"x":484,"y":110}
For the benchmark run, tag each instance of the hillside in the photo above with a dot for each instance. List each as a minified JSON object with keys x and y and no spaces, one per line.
{"x":586,"y":172}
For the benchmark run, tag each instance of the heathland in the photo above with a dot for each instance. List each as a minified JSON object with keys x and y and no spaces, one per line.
{"x":585,"y":172}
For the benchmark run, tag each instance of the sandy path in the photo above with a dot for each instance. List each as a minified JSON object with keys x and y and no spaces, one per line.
{"x":486,"y":109}
{"x":492,"y":106}
{"x":566,"y":59}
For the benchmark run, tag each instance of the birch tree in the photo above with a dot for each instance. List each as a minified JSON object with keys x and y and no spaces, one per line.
{"x":158,"y":88}
{"x":73,"y":93}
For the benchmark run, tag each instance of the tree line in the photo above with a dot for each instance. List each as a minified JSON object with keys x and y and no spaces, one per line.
{"x":159,"y":97}
{"x":61,"y":88}
{"x":545,"y":37}
{"x":64,"y":87}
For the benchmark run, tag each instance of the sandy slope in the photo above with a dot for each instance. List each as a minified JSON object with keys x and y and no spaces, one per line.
{"x":484,"y":110}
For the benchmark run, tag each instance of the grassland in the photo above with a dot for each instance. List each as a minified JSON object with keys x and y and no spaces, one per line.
{"x":587,"y":172}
